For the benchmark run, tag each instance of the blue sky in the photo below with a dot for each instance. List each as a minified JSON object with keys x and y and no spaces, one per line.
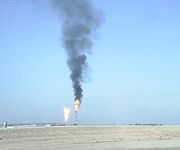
{"x":134,"y":74}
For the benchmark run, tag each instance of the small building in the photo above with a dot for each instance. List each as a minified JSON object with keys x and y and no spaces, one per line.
{"x":5,"y":124}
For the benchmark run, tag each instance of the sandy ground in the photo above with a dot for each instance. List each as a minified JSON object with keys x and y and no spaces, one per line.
{"x":124,"y":137}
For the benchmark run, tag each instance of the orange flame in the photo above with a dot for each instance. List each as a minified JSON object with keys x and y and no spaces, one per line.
{"x":76,"y":104}
{"x":66,"y":113}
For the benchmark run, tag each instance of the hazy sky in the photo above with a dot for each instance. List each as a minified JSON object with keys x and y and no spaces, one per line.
{"x":135,"y":64}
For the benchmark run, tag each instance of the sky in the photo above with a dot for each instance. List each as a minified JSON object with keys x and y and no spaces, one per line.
{"x":134,"y":74}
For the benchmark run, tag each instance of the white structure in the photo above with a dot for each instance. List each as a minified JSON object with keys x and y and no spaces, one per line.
{"x":5,"y":124}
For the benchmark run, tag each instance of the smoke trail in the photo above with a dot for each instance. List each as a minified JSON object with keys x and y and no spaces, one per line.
{"x":79,"y":22}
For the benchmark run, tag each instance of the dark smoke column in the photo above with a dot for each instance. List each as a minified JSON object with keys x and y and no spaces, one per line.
{"x":79,"y":22}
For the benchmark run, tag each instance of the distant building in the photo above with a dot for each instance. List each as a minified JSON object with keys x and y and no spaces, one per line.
{"x":5,"y":124}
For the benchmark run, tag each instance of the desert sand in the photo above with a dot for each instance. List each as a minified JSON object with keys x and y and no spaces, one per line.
{"x":107,"y":137}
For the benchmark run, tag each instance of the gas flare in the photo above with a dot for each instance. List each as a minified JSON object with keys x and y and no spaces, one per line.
{"x":79,"y":23}
{"x":66,"y":113}
{"x":76,"y":104}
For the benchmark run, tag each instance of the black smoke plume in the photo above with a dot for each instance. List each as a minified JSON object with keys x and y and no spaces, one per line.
{"x":79,"y":20}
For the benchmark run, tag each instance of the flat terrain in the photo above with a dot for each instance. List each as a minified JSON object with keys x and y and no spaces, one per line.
{"x":120,"y":137}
